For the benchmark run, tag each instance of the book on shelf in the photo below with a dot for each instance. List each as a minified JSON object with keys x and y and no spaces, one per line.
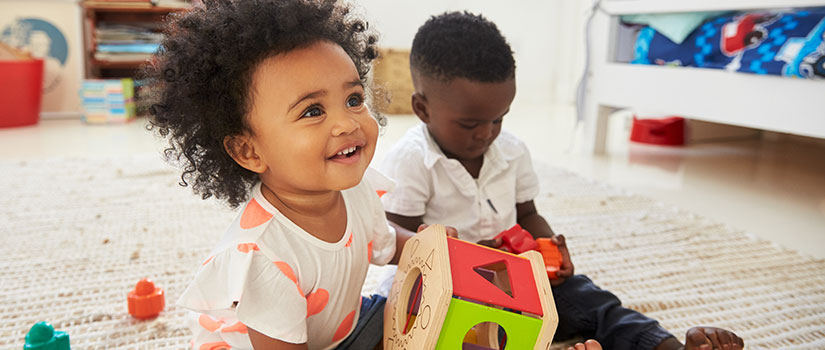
{"x":121,"y":57}
{"x":117,"y":4}
{"x":129,"y":48}
{"x":172,"y":3}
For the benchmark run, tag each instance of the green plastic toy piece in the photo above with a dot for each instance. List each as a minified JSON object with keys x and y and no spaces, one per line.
{"x":43,"y":337}
{"x":522,"y":331}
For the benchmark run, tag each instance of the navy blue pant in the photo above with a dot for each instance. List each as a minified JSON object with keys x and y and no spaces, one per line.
{"x":593,"y":313}
{"x":369,"y":331}
{"x":584,"y":310}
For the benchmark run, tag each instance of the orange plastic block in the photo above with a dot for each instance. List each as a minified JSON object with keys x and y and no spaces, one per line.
{"x":552,"y":256}
{"x":517,"y":240}
{"x":146,"y":300}
{"x":466,"y":257}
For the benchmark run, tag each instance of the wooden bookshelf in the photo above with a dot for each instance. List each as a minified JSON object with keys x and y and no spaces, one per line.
{"x":117,"y":13}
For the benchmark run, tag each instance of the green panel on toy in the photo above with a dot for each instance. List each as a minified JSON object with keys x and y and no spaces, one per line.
{"x":43,"y":337}
{"x":522,"y":331}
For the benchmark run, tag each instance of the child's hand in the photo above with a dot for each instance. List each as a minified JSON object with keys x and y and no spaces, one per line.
{"x":566,"y":268}
{"x":451,"y":231}
{"x":492,"y":243}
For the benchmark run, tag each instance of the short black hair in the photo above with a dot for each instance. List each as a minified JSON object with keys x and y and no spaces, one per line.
{"x":200,"y":78}
{"x":461,"y":45}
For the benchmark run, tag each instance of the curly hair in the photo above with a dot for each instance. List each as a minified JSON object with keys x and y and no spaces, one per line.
{"x":200,"y":78}
{"x":462,"y":45}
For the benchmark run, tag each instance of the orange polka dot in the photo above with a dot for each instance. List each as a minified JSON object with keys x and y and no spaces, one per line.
{"x":208,"y":260}
{"x":208,"y":323}
{"x":349,"y":242}
{"x":369,"y":251}
{"x":254,"y":215}
{"x":380,"y":193}
{"x":247,"y":247}
{"x":237,"y":327}
{"x":317,"y":301}
{"x":287,"y":270}
{"x":344,"y":328}
{"x":221,"y":345}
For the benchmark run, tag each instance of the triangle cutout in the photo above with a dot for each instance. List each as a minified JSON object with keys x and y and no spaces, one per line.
{"x":497,"y":274}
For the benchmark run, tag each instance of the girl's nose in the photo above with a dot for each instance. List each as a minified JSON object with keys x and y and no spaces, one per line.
{"x":345,"y":124}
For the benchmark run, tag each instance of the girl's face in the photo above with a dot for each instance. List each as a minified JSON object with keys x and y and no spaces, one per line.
{"x":310,"y":126}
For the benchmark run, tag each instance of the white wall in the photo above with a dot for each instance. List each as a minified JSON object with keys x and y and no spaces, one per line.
{"x":544,"y":34}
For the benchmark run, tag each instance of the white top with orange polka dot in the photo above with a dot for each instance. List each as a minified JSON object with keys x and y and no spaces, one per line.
{"x":288,"y":284}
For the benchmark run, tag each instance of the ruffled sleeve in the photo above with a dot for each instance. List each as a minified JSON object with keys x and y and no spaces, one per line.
{"x":244,"y":275}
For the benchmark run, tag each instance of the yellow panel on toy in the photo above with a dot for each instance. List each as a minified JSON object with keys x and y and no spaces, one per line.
{"x":451,"y":294}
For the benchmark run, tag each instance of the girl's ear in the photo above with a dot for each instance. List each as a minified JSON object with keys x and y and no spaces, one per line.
{"x":419,"y":106}
{"x":242,"y":149}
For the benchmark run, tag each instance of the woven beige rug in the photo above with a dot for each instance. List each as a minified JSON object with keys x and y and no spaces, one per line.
{"x":77,"y":234}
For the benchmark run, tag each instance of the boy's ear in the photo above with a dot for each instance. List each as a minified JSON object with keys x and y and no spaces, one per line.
{"x":242,"y":150}
{"x":419,"y":106}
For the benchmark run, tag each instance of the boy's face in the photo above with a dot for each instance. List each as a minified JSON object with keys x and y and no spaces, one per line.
{"x":311,"y":129}
{"x":463,"y":116}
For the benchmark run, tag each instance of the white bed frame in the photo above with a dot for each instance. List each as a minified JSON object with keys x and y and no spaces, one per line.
{"x":773,"y":103}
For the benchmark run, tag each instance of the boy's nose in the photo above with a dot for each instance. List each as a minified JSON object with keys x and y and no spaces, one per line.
{"x":345,"y":124}
{"x":484,"y":132}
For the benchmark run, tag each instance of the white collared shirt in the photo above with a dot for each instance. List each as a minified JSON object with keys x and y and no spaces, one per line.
{"x":441,"y":190}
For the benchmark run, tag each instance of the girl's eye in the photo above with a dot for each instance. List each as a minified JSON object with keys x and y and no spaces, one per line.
{"x":355,"y":100}
{"x":312,"y":111}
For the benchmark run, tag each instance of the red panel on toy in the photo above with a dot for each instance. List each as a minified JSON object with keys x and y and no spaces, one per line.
{"x":467,"y":283}
{"x":552,"y":256}
{"x":517,"y":240}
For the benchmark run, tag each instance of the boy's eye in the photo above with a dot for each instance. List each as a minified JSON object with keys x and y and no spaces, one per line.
{"x":355,"y":100}
{"x":312,"y":111}
{"x":498,"y":121}
{"x":468,"y":125}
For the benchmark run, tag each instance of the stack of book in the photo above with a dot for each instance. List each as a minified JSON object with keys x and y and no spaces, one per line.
{"x":138,"y":3}
{"x":126,"y":43}
{"x":119,"y":3}
{"x":108,"y":100}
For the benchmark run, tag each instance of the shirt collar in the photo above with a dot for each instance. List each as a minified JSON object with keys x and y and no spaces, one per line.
{"x":496,"y":155}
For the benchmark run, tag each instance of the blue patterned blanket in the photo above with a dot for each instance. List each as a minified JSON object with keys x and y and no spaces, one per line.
{"x":788,"y":43}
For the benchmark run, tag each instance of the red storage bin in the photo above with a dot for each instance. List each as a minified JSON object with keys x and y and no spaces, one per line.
{"x":667,"y":131}
{"x":21,"y":85}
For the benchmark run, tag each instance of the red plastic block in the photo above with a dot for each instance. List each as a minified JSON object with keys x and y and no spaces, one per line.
{"x":146,"y":300}
{"x":468,"y":284}
{"x":517,"y":240}
{"x":552,"y":256}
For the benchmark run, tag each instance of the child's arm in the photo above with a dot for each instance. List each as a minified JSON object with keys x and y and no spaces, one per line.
{"x":262,"y":342}
{"x":528,"y":217}
{"x":402,"y":234}
{"x":411,"y":223}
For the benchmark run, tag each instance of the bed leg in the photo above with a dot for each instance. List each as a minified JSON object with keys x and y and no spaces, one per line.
{"x":595,"y":128}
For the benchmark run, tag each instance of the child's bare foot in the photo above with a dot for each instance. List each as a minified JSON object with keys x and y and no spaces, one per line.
{"x":709,"y":338}
{"x":588,"y":345}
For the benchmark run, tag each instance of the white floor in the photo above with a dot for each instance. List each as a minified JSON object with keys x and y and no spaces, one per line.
{"x":774,"y":189}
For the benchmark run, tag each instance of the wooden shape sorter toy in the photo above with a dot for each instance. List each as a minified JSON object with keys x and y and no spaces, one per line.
{"x":452,"y":294}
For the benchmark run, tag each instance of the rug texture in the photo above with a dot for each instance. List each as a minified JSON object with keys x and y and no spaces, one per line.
{"x":77,"y":234}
